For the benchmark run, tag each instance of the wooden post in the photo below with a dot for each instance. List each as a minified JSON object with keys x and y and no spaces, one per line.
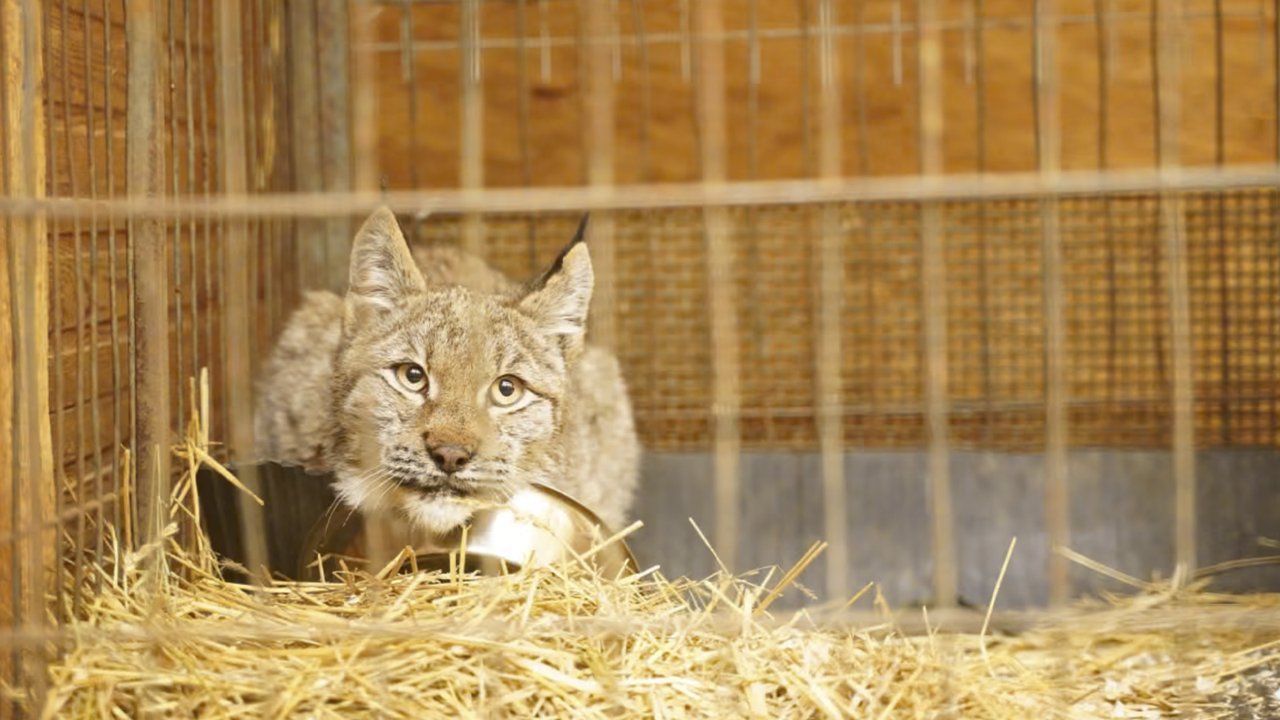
{"x":145,"y":160}
{"x":26,"y":565}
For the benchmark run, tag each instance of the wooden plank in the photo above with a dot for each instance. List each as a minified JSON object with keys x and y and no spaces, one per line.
{"x":888,"y":79}
{"x":24,"y":346}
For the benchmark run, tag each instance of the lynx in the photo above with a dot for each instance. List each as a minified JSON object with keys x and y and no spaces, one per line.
{"x":436,"y":382}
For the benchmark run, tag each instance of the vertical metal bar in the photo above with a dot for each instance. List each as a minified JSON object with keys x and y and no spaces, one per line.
{"x":364,"y":119}
{"x":192,"y":289}
{"x":77,"y":294}
{"x":208,"y":182}
{"x":806,"y":95}
{"x":332,"y":33}
{"x":131,"y":312}
{"x":751,"y":225}
{"x":1219,"y":221}
{"x":984,"y":240}
{"x":651,"y":320}
{"x":599,"y":140}
{"x":686,"y":56}
{"x":860,"y":82}
{"x":472,"y":140}
{"x":30,"y":440}
{"x":934,"y":282}
{"x":1173,"y":227}
{"x":55,"y":290}
{"x":409,"y":77}
{"x":544,"y":42}
{"x":1048,"y":145}
{"x":522,"y":127}
{"x":869,"y":216}
{"x":1274,"y":355}
{"x":830,"y":272}
{"x":113,"y":260}
{"x":1104,"y":31}
{"x":175,"y":188}
{"x":238,"y":316}
{"x":726,"y":397}
{"x":94,"y":385}
{"x":145,"y":149}
{"x":10,"y":520}
{"x":304,"y":133}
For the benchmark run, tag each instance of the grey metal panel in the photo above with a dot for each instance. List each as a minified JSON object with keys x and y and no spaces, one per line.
{"x":782,"y":518}
{"x":1238,"y":503}
{"x":888,"y":514}
{"x":673,"y":488}
{"x":1121,"y":514}
{"x":999,"y":496}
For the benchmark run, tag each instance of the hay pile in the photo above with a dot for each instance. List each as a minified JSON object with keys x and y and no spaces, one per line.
{"x":168,"y":636}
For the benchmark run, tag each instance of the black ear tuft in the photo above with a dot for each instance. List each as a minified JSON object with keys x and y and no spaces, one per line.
{"x":579,"y":238}
{"x":581,"y":234}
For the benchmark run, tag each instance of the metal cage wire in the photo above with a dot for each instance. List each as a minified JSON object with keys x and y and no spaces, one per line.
{"x":824,"y":230}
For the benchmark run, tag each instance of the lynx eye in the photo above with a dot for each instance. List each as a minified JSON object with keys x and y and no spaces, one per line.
{"x":506,"y":391}
{"x":412,"y":377}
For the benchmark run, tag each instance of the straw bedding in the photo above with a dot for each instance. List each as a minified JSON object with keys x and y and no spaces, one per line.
{"x":167,"y":635}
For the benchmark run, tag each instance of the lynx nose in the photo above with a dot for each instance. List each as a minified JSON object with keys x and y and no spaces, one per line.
{"x":450,"y":458}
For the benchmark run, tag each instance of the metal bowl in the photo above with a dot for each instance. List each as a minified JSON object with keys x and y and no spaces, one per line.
{"x":537,"y":526}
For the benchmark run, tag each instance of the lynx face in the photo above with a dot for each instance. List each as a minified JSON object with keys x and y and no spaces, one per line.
{"x":446,"y":396}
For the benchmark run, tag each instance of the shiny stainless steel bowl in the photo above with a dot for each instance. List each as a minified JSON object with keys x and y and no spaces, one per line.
{"x":538,"y":526}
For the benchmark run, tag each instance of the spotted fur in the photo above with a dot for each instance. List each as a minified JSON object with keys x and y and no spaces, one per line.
{"x":331,"y":401}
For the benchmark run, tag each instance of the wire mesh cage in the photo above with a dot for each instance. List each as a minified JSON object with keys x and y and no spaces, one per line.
{"x":908,"y":277}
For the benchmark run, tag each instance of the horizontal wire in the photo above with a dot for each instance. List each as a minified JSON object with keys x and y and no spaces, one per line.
{"x":911,"y":188}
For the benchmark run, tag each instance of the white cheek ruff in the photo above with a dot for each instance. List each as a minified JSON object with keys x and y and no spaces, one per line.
{"x":360,"y":493}
{"x":438,"y":515}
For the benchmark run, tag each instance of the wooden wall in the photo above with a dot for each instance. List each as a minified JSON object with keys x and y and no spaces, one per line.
{"x":1118,"y":356}
{"x":988,"y":67}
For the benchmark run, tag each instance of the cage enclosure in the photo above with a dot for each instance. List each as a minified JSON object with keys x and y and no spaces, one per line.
{"x":913,"y":278}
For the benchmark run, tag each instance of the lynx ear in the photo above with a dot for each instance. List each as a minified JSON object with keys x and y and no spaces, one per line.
{"x":560,"y":297}
{"x":382,"y":269}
